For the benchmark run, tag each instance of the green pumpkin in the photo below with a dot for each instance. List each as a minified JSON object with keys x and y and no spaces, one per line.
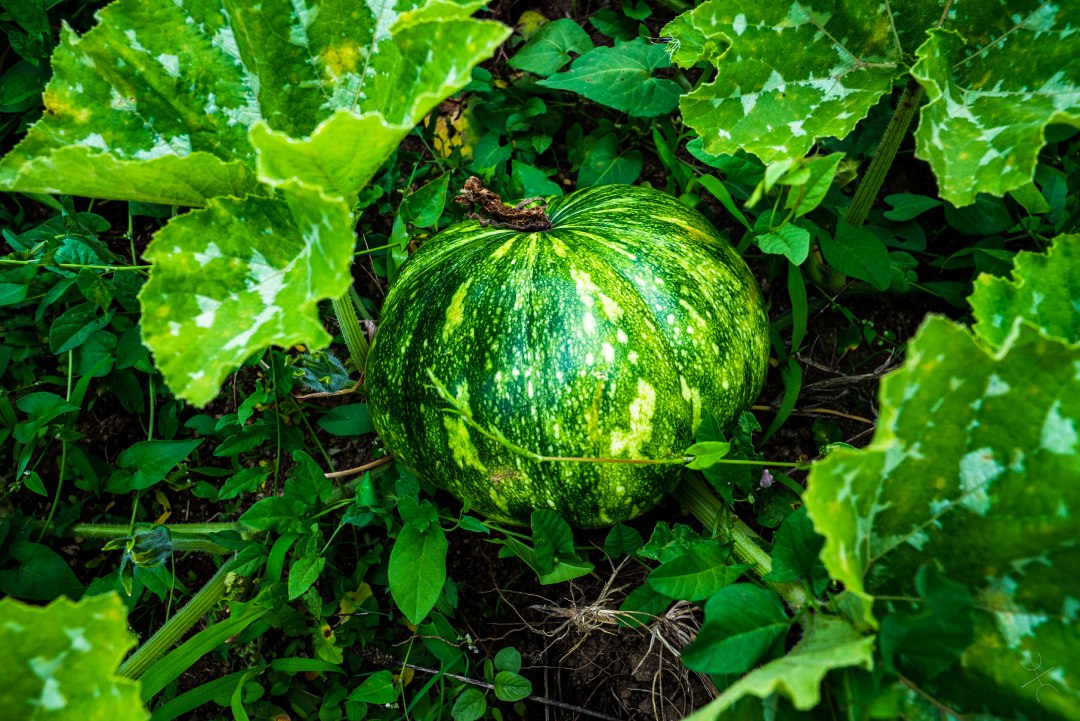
{"x":611,"y":335}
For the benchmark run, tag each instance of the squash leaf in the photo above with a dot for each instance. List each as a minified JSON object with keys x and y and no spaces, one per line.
{"x":237,"y":276}
{"x":790,"y":73}
{"x":59,"y":660}
{"x":1044,"y":290}
{"x":242,"y":110}
{"x":975,"y":467}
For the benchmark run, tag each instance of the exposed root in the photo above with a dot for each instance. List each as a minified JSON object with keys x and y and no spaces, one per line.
{"x":668,"y":633}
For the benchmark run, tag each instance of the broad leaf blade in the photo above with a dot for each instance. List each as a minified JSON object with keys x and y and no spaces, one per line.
{"x":152,"y":460}
{"x":234,"y":278}
{"x":696,"y":575}
{"x":121,"y":121}
{"x":790,"y":73}
{"x":417,"y":570}
{"x":317,"y":161}
{"x":742,"y":622}
{"x":785,"y":78}
{"x":1044,"y":290}
{"x":186,"y":80}
{"x":549,"y":49}
{"x":622,"y":78}
{"x":857,"y":252}
{"x":995,"y":79}
{"x":59,"y":661}
{"x":828,"y":643}
{"x":976,"y":464}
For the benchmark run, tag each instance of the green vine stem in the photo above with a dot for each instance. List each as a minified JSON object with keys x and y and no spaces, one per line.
{"x":113,"y":530}
{"x":345,"y":310}
{"x":76,"y":266}
{"x":462,"y":411}
{"x":870,"y":185}
{"x":174,"y":629}
{"x":693,"y":495}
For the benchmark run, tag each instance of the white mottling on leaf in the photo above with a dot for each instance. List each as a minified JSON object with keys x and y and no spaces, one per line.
{"x":45,"y":669}
{"x":134,"y":42}
{"x":1070,"y":609}
{"x":94,"y":140}
{"x":264,"y":278}
{"x":212,"y":252}
{"x":1013,"y":621}
{"x":995,"y":386}
{"x":242,"y":339}
{"x":918,"y":539}
{"x":739,"y":24}
{"x":208,"y":309}
{"x":78,"y":639}
{"x":1058,"y":434}
{"x":171,"y":63}
{"x":748,"y":100}
{"x":51,"y":699}
{"x":978,"y":470}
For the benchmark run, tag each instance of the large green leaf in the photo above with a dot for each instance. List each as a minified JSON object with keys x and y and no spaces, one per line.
{"x":1044,"y":290}
{"x":828,"y":643}
{"x":417,"y":570}
{"x":790,"y":72}
{"x":622,"y":78}
{"x":975,"y":467}
{"x":549,"y":49}
{"x":270,"y":115}
{"x":995,"y":80}
{"x":237,"y":276}
{"x":742,"y":622}
{"x":58,"y":661}
{"x":186,"y":80}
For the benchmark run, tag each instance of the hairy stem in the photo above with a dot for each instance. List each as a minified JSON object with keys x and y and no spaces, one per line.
{"x":354,"y":336}
{"x":693,"y":495}
{"x":174,"y":629}
{"x":114,"y":530}
{"x":883,"y":158}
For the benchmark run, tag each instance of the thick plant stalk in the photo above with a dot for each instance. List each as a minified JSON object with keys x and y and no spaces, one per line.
{"x":183,"y":536}
{"x":174,"y":629}
{"x":351,"y":331}
{"x":693,"y":495}
{"x":113,"y":530}
{"x":883,"y":158}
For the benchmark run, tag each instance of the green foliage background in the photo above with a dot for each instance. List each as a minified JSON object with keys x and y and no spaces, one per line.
{"x":169,"y":345}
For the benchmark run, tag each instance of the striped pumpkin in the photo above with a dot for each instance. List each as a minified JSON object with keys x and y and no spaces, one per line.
{"x":608,"y":336}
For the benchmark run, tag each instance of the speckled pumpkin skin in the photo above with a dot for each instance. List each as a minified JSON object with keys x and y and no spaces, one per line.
{"x":611,"y":335}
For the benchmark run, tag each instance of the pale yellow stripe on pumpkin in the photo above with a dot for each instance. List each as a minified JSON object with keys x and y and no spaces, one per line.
{"x":455,"y":312}
{"x":641,"y":412}
{"x":612,"y":310}
{"x":460,"y":444}
{"x":695,"y":233}
{"x":693,"y":397}
{"x":503,"y":249}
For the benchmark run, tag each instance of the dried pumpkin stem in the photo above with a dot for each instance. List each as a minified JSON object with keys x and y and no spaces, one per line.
{"x":493,"y":212}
